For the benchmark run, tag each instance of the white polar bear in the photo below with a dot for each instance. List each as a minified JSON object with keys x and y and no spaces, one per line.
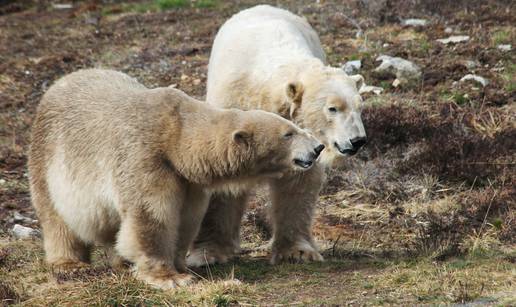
{"x":268,"y":58}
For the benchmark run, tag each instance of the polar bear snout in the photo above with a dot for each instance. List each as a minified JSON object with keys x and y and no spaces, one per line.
{"x":358,"y":142}
{"x":305,"y":159}
{"x":318,"y":150}
{"x":351,"y":147}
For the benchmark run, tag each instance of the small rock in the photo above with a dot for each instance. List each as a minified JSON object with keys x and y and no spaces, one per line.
{"x":507,"y":47}
{"x":352,"y":67}
{"x":385,"y":45}
{"x":62,"y":6}
{"x":454,"y":39}
{"x":396,"y":82}
{"x":197,"y":81}
{"x":469,"y":64}
{"x":18,"y":218}
{"x":370,"y":89}
{"x":414,"y":22}
{"x":232,"y":282}
{"x":476,"y":78}
{"x":404,"y":70}
{"x":93,"y":20}
{"x":184,"y":77}
{"x":2,"y":181}
{"x":448,"y":30}
{"x":164,"y":65}
{"x":22,"y":232}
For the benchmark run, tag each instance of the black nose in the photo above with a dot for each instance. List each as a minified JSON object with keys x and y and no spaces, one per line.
{"x":358,"y":142}
{"x":318,"y":150}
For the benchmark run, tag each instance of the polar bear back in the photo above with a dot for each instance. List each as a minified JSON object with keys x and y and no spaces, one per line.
{"x":257,"y":41}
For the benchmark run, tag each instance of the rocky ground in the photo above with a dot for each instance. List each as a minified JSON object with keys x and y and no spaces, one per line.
{"x":425,"y":214}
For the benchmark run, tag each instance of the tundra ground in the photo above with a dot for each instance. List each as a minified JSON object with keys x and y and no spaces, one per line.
{"x":425,"y":214}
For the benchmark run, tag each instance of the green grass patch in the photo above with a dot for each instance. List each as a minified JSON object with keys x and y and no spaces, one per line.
{"x":424,"y":45}
{"x":386,"y":85}
{"x":459,"y":264}
{"x":501,"y":37}
{"x":144,"y":7}
{"x":156,"y":6}
{"x":206,"y":3}
{"x":509,"y":77}
{"x":171,"y":4}
{"x":459,"y":98}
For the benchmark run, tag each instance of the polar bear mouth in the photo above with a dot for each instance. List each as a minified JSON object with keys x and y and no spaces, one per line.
{"x":303,"y":163}
{"x":345,"y":151}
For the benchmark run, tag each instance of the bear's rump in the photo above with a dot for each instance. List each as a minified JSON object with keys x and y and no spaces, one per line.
{"x":86,"y":203}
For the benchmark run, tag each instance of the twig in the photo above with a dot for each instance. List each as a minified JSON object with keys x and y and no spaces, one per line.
{"x":207,"y":265}
{"x":334,"y":246}
{"x":473,"y":185}
{"x":493,"y":163}
{"x":487,"y":213}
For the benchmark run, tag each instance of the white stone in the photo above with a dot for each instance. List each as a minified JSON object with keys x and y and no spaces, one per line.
{"x":448,"y":30}
{"x":507,"y":47}
{"x":22,"y":232}
{"x":396,"y":82}
{"x":352,"y":67}
{"x":476,"y":78}
{"x":62,"y":6}
{"x":454,"y":39}
{"x":414,"y":22}
{"x":470,"y":64}
{"x":403,"y":70}
{"x":370,"y":89}
{"x":2,"y":181}
{"x":18,"y":218}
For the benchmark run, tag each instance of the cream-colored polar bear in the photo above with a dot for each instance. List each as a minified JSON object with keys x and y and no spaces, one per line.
{"x":268,"y":58}
{"x":112,"y":162}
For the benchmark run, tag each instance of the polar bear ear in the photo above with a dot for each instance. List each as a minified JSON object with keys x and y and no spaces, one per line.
{"x":359,"y":81}
{"x":295,"y":95}
{"x":242,"y":137}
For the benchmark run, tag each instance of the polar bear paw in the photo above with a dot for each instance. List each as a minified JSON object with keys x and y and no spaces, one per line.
{"x":298,"y":253}
{"x":170,"y":281}
{"x":67,"y":266}
{"x":202,"y":256}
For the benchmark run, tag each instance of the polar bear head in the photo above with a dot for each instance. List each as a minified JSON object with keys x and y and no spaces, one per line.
{"x":328,"y":104}
{"x":276,"y":143}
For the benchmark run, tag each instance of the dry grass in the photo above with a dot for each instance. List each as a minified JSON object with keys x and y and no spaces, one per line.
{"x":372,"y":279}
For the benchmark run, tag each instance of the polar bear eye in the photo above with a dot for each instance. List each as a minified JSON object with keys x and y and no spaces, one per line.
{"x":332,"y":110}
{"x":288,"y":135}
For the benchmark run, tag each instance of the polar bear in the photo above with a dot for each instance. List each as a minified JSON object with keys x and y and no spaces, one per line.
{"x":268,"y":58}
{"x":114,"y":163}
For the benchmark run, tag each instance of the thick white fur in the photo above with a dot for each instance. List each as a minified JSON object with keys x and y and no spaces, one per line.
{"x":259,"y":51}
{"x":270,"y":59}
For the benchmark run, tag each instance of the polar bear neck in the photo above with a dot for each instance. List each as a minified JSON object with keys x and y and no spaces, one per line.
{"x":307,"y":71}
{"x":265,"y":88}
{"x":204,"y":152}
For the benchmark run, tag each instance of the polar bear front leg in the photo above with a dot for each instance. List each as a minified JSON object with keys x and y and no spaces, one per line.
{"x":148,"y":237}
{"x":192,"y":213}
{"x":293,"y":203}
{"x":219,"y":238}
